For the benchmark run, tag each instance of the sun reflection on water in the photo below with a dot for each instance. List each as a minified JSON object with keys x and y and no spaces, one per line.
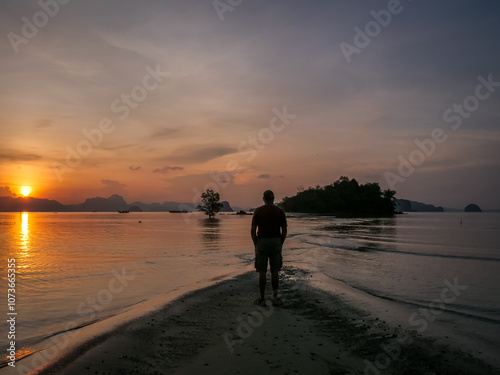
{"x":25,"y":243}
{"x":22,"y":254}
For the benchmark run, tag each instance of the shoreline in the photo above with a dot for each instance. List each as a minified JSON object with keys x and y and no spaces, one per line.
{"x":218,"y":330}
{"x":398,"y":314}
{"x":56,"y":347}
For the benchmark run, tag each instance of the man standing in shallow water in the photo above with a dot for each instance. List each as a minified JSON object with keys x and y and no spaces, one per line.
{"x":272,"y":229}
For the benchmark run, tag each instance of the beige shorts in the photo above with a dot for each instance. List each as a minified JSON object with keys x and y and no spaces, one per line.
{"x":268,"y":248}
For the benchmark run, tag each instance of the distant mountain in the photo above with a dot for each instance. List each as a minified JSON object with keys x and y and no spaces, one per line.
{"x":10,"y":204}
{"x":134,"y":209}
{"x":165,"y":206}
{"x":97,"y":204}
{"x":226,"y":207}
{"x":405,"y":205}
{"x":117,"y":203}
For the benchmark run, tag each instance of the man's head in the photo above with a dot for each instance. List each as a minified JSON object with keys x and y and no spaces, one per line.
{"x":268,"y":196}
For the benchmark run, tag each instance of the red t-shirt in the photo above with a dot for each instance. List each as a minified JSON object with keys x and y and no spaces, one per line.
{"x":269,"y":220}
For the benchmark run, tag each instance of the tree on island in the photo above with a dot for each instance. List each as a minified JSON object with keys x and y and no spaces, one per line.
{"x":210,"y":204}
{"x":344,"y":196}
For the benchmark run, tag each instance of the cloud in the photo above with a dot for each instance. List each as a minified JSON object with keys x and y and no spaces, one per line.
{"x":118,"y":147}
{"x":167,"y":169}
{"x":6,"y":192}
{"x":202,"y":153}
{"x":160,"y":133}
{"x":43,"y":123}
{"x":16,"y":156}
{"x":353,"y":119}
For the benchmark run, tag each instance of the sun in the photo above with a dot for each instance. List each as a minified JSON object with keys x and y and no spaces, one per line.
{"x":26,"y":190}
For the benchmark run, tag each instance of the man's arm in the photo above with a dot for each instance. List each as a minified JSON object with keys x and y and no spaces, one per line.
{"x":283,"y":234}
{"x":284,"y":226}
{"x":253,"y":233}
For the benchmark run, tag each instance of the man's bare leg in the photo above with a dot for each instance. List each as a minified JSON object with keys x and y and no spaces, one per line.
{"x":275,"y":282}
{"x":262,"y":285}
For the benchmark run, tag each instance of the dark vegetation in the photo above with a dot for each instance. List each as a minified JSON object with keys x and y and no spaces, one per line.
{"x":472,"y":208}
{"x":345,"y":197}
{"x":210,"y":204}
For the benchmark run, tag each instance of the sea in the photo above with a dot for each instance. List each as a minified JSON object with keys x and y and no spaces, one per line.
{"x":435,"y":273}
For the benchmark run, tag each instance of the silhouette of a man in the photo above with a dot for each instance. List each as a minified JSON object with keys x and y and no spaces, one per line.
{"x":269,"y":229}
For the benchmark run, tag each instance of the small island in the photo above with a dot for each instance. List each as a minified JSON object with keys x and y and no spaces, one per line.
{"x":241,"y":212}
{"x":472,"y":208}
{"x":343,"y":197}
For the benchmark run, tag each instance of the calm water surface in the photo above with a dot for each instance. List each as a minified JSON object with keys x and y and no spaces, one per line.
{"x":85,"y":267}
{"x":408,"y":261}
{"x":79,"y":268}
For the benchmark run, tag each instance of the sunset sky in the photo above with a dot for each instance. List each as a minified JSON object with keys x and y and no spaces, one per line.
{"x":177,"y":96}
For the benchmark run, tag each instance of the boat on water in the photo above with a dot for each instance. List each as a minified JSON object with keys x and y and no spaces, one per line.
{"x":123,"y":212}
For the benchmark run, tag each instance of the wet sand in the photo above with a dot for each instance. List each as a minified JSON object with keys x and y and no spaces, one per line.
{"x":218,"y":330}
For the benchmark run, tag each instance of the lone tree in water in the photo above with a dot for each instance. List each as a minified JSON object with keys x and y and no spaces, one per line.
{"x":209,"y":203}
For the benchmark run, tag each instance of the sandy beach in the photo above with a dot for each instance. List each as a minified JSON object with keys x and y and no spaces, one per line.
{"x":218,"y":330}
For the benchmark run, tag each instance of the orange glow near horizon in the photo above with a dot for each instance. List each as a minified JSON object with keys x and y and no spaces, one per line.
{"x":25,"y":191}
